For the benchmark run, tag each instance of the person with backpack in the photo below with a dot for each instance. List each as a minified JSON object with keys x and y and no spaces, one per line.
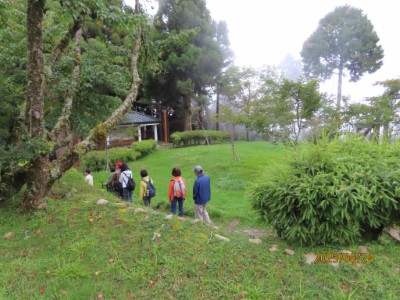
{"x":147,"y":189}
{"x":128,"y":184}
{"x":177,"y":191}
{"x":113,"y":184}
{"x":201,"y":195}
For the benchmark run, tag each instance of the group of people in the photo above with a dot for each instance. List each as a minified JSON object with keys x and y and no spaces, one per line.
{"x":121,"y":174}
{"x":118,"y":180}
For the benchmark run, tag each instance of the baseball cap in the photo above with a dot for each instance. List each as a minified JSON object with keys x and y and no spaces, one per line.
{"x":197,"y":169}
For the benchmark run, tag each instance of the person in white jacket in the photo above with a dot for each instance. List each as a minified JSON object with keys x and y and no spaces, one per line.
{"x":88,"y":177}
{"x":123,"y":179}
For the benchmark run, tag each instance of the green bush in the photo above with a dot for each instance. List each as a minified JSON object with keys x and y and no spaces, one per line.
{"x":94,"y":160}
{"x":197,"y":137}
{"x":123,"y":154}
{"x":332,"y":192}
{"x":144,"y":147}
{"x":97,"y":160}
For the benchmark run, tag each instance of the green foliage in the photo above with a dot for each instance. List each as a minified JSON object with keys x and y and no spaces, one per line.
{"x":192,"y":62}
{"x":380,"y":111}
{"x":13,"y":44}
{"x":104,"y":78}
{"x":285,"y":108}
{"x":332,"y":192}
{"x":97,"y":160}
{"x":144,"y":147}
{"x":104,"y":75}
{"x":304,"y":100}
{"x":242,"y":88}
{"x":197,"y":137}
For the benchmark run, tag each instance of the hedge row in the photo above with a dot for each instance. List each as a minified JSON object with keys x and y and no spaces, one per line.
{"x":332,"y":192}
{"x":97,"y":160}
{"x":197,"y":137}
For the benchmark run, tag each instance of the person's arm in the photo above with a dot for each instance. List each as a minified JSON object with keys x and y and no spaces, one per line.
{"x":171,"y":190}
{"x":142,"y":191}
{"x":110,"y":179}
{"x":209,"y":185}
{"x":121,"y":178}
{"x":196,"y":188}
{"x":184,"y":191}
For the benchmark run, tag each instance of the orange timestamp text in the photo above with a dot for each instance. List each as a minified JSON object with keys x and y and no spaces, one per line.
{"x":354,"y":258}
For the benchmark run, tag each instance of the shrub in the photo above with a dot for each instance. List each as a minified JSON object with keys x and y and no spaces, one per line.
{"x":196,"y":137}
{"x":94,"y":160}
{"x":122,"y":154}
{"x":144,"y":147}
{"x":332,"y":192}
{"x":97,"y":160}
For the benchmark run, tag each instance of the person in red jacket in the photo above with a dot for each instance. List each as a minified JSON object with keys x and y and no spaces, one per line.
{"x":177,"y":191}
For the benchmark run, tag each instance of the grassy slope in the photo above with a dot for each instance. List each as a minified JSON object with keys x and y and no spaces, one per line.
{"x":78,"y":250}
{"x":228,"y":177}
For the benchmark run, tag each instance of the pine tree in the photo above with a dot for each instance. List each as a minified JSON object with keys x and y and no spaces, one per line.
{"x":344,"y":40}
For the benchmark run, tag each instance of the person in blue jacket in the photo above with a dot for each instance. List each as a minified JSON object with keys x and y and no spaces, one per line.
{"x":201,"y":195}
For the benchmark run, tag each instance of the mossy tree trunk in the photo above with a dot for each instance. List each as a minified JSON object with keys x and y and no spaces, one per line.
{"x":41,"y":173}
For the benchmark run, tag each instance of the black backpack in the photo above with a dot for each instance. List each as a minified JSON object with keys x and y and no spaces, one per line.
{"x":130,"y":185}
{"x":151,"y":190}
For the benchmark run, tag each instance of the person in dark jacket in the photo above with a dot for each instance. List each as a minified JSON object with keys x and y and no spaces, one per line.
{"x":201,"y":195}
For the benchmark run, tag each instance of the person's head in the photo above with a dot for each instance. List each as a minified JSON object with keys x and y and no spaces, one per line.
{"x":143,"y":173}
{"x":112,"y":169}
{"x":198,"y":170}
{"x":118,"y":165}
{"x":176,"y":171}
{"x":124,"y":167}
{"x":87,"y":171}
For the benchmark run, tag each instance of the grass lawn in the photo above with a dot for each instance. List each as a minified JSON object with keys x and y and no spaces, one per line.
{"x":77,"y":250}
{"x":229,"y":178}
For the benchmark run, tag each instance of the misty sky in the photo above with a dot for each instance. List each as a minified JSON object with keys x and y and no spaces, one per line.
{"x":263,"y":32}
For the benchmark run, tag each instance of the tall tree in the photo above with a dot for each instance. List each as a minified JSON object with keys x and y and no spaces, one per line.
{"x":188,"y":69}
{"x":291,"y":67}
{"x":344,"y":40}
{"x":391,"y":100}
{"x":43,"y":148}
{"x":381,"y":111}
{"x":304,"y":99}
{"x":286,"y":107}
{"x":230,"y":116}
{"x":241,"y":88}
{"x":227,"y":53}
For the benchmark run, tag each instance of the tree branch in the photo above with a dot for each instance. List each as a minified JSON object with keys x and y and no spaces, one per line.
{"x":71,"y":156}
{"x":64,"y":43}
{"x":63,"y":123}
